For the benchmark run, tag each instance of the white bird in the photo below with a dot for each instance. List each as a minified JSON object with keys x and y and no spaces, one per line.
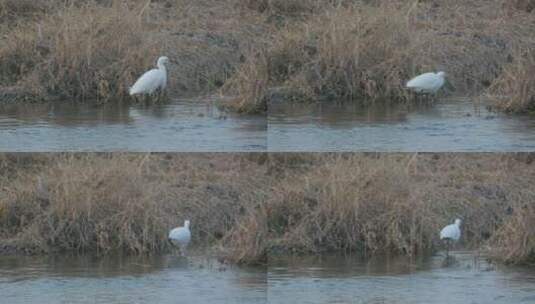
{"x":427,"y":83}
{"x":155,"y":79}
{"x":451,"y":233}
{"x":180,"y":237}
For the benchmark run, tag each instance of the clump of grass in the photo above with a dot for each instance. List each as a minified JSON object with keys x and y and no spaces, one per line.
{"x":247,"y":242}
{"x":291,"y":8}
{"x":86,"y":52}
{"x":514,"y":242}
{"x":102,"y":203}
{"x":514,"y":90}
{"x":248,"y":86}
{"x":331,"y":55}
{"x":11,"y":10}
{"x":522,"y":5}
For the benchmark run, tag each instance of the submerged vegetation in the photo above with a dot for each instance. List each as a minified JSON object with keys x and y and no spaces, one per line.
{"x":257,"y":51}
{"x":247,"y":207}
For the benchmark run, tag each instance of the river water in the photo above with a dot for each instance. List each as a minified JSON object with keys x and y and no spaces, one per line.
{"x":178,"y":125}
{"x":163,"y":279}
{"x":456,"y":125}
{"x":451,"y":125}
{"x":463,"y":278}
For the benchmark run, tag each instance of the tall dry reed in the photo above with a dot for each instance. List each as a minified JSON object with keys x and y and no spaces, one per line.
{"x":102,"y":203}
{"x":248,"y":207}
{"x":514,"y":90}
{"x":82,"y":52}
{"x":366,"y":50}
{"x":394,"y":203}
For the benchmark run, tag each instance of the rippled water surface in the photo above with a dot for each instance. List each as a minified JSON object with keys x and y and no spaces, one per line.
{"x":179,"y":125}
{"x":461,"y":279}
{"x":164,"y":279}
{"x":447,"y":125}
{"x":464,"y":278}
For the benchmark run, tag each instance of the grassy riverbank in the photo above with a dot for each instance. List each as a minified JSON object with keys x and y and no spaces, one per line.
{"x":94,"y":50}
{"x":247,"y":207}
{"x":397,"y":203}
{"x":257,"y":51}
{"x":109,"y":203}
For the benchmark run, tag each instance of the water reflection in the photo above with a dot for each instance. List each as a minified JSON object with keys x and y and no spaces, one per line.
{"x":341,"y":279}
{"x":448,"y":125}
{"x":159,"y":279}
{"x":180,"y":125}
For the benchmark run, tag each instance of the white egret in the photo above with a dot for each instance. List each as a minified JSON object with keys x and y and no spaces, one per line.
{"x":451,"y":233}
{"x":181,"y":237}
{"x":427,"y":83}
{"x":153,"y":80}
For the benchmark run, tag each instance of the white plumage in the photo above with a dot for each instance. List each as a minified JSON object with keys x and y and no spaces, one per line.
{"x":181,"y":236}
{"x":427,"y":83}
{"x":155,"y":79}
{"x":451,"y":232}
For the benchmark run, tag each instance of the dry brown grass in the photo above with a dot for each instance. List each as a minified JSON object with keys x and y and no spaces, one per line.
{"x":95,"y":50}
{"x":366,"y":50}
{"x":101,"y":203}
{"x":246,"y":209}
{"x":514,"y":242}
{"x":522,"y":5}
{"x":206,"y":38}
{"x":87,"y":52}
{"x":514,"y":90}
{"x":11,"y":10}
{"x":248,"y":86}
{"x":397,"y":203}
{"x":260,"y":50}
{"x":287,"y":8}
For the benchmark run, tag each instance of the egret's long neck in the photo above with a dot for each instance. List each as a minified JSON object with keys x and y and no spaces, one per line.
{"x":161,"y":66}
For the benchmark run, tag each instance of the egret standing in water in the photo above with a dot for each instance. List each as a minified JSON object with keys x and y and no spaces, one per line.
{"x":451,"y":233}
{"x":153,"y":80}
{"x":428,"y":83}
{"x":180,"y":237}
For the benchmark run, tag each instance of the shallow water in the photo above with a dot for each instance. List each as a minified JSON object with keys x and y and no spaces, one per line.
{"x":448,"y":125}
{"x":326,"y":279}
{"x":164,"y":279}
{"x":179,"y":125}
{"x":462,"y":279}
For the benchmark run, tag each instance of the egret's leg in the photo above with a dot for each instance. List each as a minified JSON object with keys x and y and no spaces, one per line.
{"x":435,"y":99}
{"x":163,"y":95}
